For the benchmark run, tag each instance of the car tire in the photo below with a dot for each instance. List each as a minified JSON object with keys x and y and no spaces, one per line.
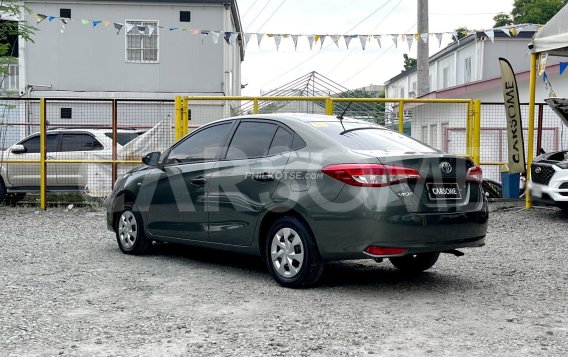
{"x":129,"y":230}
{"x":415,"y":263}
{"x":563,"y":206}
{"x":291,"y":253}
{"x":3,"y":192}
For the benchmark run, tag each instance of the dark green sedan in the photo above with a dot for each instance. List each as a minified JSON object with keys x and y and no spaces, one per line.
{"x":300,"y":190}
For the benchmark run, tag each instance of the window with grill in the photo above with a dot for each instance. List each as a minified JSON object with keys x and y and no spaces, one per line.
{"x":142,"y":42}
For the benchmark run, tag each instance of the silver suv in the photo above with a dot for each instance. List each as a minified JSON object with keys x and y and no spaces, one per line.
{"x":17,"y":179}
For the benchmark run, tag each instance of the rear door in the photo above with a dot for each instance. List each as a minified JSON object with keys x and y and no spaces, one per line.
{"x":76,"y":146}
{"x":28,"y":175}
{"x":242,"y":183}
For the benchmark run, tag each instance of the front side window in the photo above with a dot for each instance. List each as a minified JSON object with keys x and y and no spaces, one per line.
{"x":251,"y":140}
{"x":142,"y":41}
{"x":32,"y":144}
{"x":201,"y":146}
{"x":80,"y":142}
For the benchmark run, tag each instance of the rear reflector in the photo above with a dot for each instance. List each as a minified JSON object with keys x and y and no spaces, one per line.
{"x":374,"y":250}
{"x":370,"y":175}
{"x":475,"y":174}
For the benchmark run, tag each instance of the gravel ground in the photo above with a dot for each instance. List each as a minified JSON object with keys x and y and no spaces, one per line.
{"x":67,"y":290}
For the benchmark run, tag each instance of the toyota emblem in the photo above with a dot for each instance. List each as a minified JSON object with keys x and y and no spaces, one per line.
{"x":537,"y":170}
{"x":446,"y":167}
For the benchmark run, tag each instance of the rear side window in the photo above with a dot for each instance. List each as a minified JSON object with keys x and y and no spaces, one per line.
{"x":80,"y":142}
{"x":123,"y":138}
{"x":371,"y":138}
{"x":282,"y":142}
{"x":201,"y":146}
{"x":251,"y":140}
{"x":32,"y":144}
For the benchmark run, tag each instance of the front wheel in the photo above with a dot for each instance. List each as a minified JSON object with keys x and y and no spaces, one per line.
{"x":415,"y":263}
{"x":130,"y":232}
{"x":292,"y":256}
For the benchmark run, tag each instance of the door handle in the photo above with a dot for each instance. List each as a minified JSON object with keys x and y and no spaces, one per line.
{"x":199,"y":180}
{"x":263,"y":177}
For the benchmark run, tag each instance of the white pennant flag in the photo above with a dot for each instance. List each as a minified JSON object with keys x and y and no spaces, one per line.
{"x":363,"y":39}
{"x":348,"y":39}
{"x":277,"y":40}
{"x":129,"y":27}
{"x":215,"y":36}
{"x":439,"y":36}
{"x":424,"y":37}
{"x":378,"y":38}
{"x":455,"y":36}
{"x":335,"y":39}
{"x":259,"y":37}
{"x":322,"y":38}
{"x":295,"y":39}
{"x":63,"y":23}
{"x":409,"y":40}
{"x":311,"y":40}
{"x":247,"y":38}
{"x":151,"y":30}
{"x":395,"y":40}
{"x":491,"y":35}
{"x":506,"y":31}
{"x":233,"y":38}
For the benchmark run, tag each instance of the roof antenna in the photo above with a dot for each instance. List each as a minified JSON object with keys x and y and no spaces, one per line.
{"x":340,"y":116}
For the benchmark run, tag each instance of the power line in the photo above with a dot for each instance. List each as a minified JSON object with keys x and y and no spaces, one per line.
{"x":248,"y":10}
{"x":269,"y":17}
{"x":260,"y":12}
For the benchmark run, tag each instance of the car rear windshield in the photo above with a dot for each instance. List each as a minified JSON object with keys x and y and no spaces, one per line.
{"x":369,"y":137}
{"x":124,"y":138}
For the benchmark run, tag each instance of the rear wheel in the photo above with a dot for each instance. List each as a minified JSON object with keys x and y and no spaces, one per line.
{"x":292,"y":256}
{"x":3,"y":192}
{"x":415,"y":263}
{"x":130,"y":232}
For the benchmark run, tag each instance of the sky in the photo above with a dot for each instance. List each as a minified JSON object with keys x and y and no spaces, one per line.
{"x":266,"y":68}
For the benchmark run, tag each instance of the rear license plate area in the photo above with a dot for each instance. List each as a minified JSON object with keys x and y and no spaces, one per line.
{"x":443,"y":191}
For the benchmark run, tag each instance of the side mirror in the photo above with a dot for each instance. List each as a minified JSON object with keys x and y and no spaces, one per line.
{"x":152,"y":159}
{"x":18,"y":149}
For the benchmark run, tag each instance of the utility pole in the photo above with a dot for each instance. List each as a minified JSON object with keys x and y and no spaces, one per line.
{"x":423,"y":66}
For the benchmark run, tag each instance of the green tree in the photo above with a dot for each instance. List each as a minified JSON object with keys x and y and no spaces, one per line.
{"x":409,"y":62}
{"x":502,"y":19}
{"x":11,"y":31}
{"x":461,"y":32}
{"x":535,"y":11}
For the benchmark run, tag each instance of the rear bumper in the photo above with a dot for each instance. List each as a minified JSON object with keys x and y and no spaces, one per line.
{"x":341,"y":237}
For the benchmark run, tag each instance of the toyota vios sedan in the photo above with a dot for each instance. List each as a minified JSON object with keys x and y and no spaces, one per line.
{"x":300,"y":190}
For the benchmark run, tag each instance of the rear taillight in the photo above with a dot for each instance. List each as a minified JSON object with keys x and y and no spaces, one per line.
{"x":382,"y":251}
{"x":474,"y":174}
{"x":370,"y":175}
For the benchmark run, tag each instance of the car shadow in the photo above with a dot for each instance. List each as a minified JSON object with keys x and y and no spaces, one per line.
{"x":358,"y":273}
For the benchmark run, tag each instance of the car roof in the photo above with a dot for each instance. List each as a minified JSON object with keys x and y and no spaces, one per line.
{"x":299,"y":118}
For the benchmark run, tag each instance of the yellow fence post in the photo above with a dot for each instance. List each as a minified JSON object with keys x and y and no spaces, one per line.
{"x":401,"y":116}
{"x":329,"y":106}
{"x":178,"y":127}
{"x":42,"y":155}
{"x":468,"y":129}
{"x":185,"y":116}
{"x":255,"y":106}
{"x":532,"y":90}
{"x":477,"y":131}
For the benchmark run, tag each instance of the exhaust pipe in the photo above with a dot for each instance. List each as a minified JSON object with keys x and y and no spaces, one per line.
{"x":455,"y":252}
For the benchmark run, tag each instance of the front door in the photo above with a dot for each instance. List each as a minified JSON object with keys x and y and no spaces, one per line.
{"x":27,"y":175}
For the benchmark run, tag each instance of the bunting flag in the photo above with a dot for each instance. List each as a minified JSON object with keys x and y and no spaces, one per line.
{"x":335,"y":39}
{"x":232,"y":38}
{"x":378,"y":38}
{"x":295,"y":40}
{"x":363,"y":40}
{"x":491,"y":35}
{"x":541,"y":63}
{"x":548,"y":86}
{"x":40,"y":17}
{"x":439,"y":36}
{"x":215,"y":36}
{"x":118,"y":27}
{"x":311,"y":40}
{"x":563,"y":66}
{"x":259,"y":37}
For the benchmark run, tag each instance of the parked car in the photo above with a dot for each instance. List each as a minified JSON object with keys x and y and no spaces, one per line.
{"x":549,"y":179}
{"x":300,"y":190}
{"x":16,"y":179}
